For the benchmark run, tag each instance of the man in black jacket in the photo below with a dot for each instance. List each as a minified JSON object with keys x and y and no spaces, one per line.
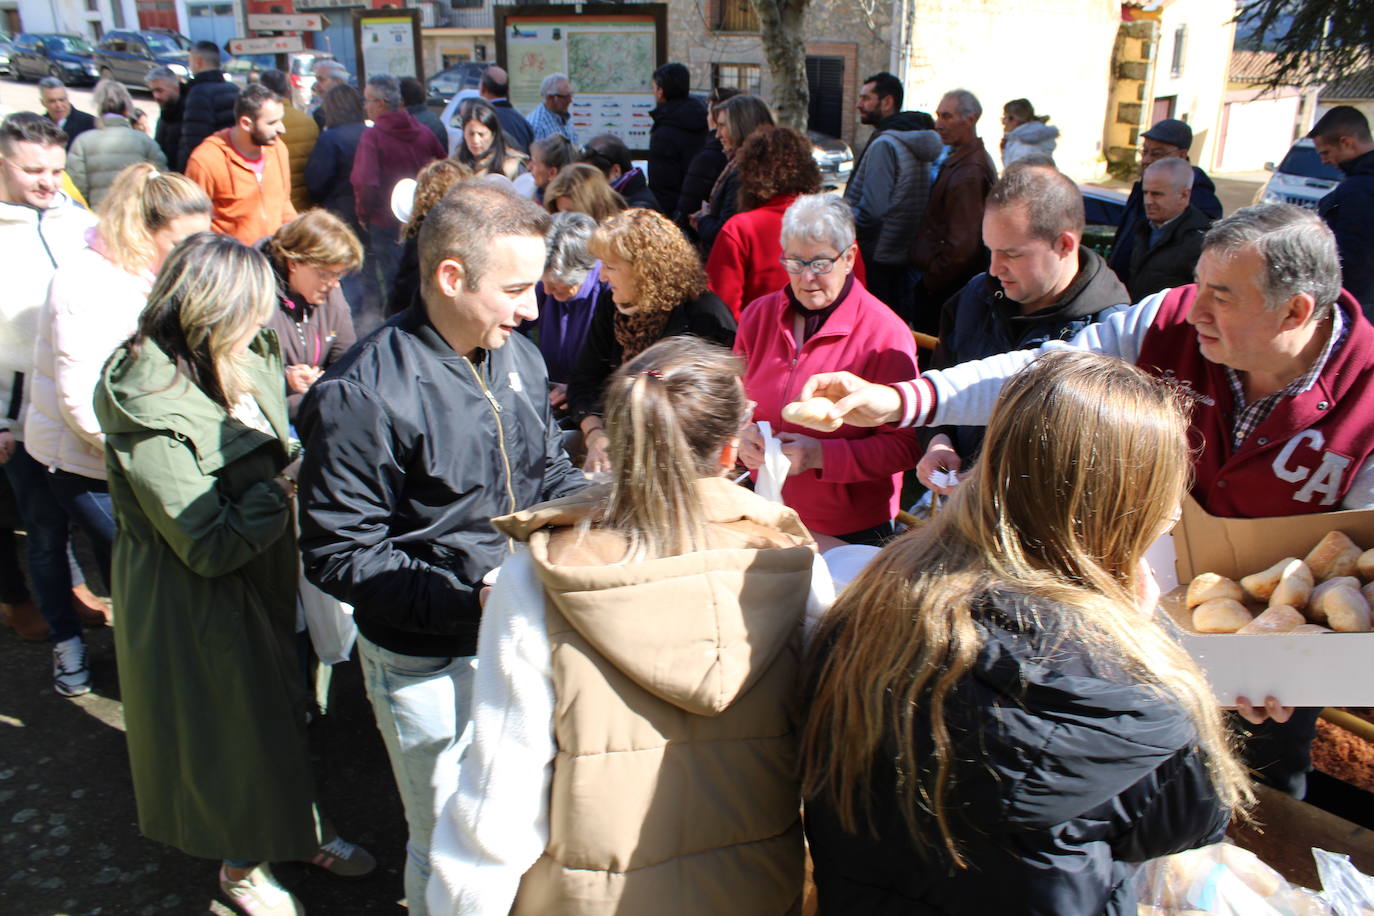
{"x":422,"y":432}
{"x":1342,"y":139}
{"x":209,"y":102}
{"x":52,"y":92}
{"x":678,"y":134}
{"x":1168,"y":241}
{"x":1169,"y":139}
{"x":166,"y":91}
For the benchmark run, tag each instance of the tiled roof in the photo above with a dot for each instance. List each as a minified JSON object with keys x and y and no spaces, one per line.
{"x":1251,"y":66}
{"x":1358,"y":85}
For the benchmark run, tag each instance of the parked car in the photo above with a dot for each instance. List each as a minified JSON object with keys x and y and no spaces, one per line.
{"x":464,"y":75}
{"x":6,"y":44}
{"x":1102,"y":212}
{"x":39,"y":54}
{"x":244,"y":70}
{"x":833,"y":157}
{"x":1301,"y":178}
{"x":128,"y":56}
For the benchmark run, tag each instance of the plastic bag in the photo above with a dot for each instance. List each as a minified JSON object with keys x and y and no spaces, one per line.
{"x":330,"y":622}
{"x":1348,"y":891}
{"x":1221,"y":880}
{"x":773,"y":471}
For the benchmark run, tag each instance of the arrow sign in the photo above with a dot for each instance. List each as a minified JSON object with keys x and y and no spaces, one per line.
{"x":299,"y":22}
{"x":281,"y":44}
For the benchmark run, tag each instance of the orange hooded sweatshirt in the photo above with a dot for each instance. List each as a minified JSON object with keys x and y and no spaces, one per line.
{"x":243,"y":207}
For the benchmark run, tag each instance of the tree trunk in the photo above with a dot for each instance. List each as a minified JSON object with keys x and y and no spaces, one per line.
{"x":780,"y":29}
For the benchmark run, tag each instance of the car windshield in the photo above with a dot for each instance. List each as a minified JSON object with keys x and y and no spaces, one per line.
{"x":71,"y":45}
{"x":163,"y":45}
{"x":1304,"y":161}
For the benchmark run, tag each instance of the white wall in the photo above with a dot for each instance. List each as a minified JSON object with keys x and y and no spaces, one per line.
{"x":1201,"y":84}
{"x":1257,"y":131}
{"x":1056,"y":53}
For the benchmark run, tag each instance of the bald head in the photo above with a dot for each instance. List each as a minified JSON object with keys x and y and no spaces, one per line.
{"x":1168,"y":187}
{"x":495,"y":83}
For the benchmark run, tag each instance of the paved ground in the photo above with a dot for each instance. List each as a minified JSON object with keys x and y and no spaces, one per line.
{"x":69,"y":840}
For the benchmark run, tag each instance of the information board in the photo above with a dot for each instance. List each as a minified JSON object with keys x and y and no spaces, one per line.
{"x":388,"y":43}
{"x":609,"y":52}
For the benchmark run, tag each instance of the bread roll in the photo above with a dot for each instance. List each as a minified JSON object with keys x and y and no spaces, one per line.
{"x":1368,"y":592}
{"x":1307,"y":629}
{"x":813,"y":413}
{"x":1262,"y":584}
{"x":1365,"y":565}
{"x":1220,"y":615}
{"x":1295,"y":586}
{"x":1346,"y":610}
{"x":1279,"y":618}
{"x":1334,"y":555}
{"x":1209,"y":587}
{"x":1315,"y":609}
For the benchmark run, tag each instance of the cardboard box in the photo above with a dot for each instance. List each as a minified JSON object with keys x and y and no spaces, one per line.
{"x":1326,"y":669}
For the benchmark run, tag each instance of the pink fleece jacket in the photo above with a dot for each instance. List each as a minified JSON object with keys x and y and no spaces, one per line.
{"x":860,"y":481}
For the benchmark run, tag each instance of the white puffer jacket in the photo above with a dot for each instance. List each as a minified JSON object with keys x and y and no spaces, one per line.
{"x":32,"y":245}
{"x":92,"y":308}
{"x":1033,"y":137}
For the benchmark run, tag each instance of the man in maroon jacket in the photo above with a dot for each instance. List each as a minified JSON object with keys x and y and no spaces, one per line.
{"x":396,"y":146}
{"x":1279,"y":363}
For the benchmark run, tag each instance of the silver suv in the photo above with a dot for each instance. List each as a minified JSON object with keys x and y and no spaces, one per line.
{"x":1301,"y":178}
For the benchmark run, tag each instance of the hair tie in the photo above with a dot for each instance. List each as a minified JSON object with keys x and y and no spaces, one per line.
{"x":154,"y":174}
{"x":652,"y":373}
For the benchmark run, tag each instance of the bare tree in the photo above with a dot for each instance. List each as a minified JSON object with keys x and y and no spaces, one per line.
{"x":1313,"y":41}
{"x":780,"y":30}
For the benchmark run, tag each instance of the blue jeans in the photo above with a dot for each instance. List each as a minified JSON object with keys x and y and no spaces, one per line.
{"x":87,"y":502}
{"x":422,"y":706}
{"x":46,"y":523}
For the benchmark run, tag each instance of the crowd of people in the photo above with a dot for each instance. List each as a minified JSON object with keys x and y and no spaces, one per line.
{"x":506,"y":394}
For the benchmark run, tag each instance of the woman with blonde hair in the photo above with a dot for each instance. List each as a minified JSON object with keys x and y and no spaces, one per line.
{"x":431,"y":184}
{"x":633,"y":736}
{"x":202,"y":479}
{"x":93,"y":305}
{"x":310,"y":256}
{"x":658,"y":290}
{"x":582,"y":188}
{"x":737,"y":119}
{"x":998,"y":724}
{"x":98,"y":156}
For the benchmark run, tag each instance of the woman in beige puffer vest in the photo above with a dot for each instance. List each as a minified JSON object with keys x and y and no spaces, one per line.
{"x":635,"y":714}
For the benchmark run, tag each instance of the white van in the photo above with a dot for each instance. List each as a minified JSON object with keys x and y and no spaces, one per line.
{"x":1301,"y":178}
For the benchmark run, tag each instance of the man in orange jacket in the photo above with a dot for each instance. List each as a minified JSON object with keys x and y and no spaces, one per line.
{"x":245,"y":171}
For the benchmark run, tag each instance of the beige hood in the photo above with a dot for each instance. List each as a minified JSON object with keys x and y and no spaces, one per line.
{"x":694,"y":630}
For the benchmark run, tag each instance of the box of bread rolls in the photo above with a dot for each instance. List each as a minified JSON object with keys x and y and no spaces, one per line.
{"x":1278,"y":606}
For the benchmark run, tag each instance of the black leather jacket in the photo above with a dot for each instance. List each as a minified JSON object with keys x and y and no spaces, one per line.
{"x":410,"y":451}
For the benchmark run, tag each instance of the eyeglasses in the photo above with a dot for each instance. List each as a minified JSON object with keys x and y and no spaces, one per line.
{"x":560,"y":95}
{"x":819,"y":266}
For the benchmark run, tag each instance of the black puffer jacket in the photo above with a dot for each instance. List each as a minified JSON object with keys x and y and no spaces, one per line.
{"x":1349,"y":211}
{"x":701,"y":176}
{"x":168,"y":133}
{"x":209,"y":107}
{"x":980,"y":321}
{"x":678,"y":134}
{"x":410,"y":451}
{"x":1068,"y":776}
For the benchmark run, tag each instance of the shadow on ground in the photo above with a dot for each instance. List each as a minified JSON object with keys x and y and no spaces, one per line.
{"x":69,"y":835}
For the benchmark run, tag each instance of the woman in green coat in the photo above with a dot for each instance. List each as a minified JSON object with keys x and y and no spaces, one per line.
{"x":201,"y":478}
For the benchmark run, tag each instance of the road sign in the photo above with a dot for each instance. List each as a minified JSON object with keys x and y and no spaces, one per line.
{"x":280,"y":44}
{"x":296,"y":22}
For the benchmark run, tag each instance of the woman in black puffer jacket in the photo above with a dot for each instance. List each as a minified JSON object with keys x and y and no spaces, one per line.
{"x":997,"y":724}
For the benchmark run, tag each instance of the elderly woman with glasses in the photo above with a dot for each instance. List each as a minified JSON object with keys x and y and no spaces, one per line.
{"x":310,"y":256}
{"x":845,"y":484}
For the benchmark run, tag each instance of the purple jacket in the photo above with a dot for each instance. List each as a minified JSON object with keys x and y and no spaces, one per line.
{"x":396,"y":146}
{"x":561,"y":327}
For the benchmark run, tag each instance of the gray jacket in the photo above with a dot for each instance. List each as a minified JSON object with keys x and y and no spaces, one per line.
{"x":99,"y":155}
{"x":888,"y":192}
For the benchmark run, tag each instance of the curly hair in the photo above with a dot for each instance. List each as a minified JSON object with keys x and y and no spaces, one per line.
{"x":667,"y":269}
{"x":775,"y":161}
{"x":434,"y":181}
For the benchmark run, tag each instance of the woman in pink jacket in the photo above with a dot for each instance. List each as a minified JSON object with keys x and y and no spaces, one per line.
{"x":847,"y":483}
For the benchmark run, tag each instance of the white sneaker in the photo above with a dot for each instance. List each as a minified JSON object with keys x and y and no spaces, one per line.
{"x":258,"y":893}
{"x":70,"y":676}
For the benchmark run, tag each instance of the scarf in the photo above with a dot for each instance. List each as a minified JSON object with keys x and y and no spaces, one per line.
{"x":638,"y":331}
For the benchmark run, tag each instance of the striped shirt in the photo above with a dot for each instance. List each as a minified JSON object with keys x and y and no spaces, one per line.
{"x":545,"y":123}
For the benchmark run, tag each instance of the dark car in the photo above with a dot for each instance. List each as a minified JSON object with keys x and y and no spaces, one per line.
{"x":465,"y":75}
{"x":39,"y":54}
{"x":127,"y":56}
{"x":6,"y":45}
{"x":1102,"y":212}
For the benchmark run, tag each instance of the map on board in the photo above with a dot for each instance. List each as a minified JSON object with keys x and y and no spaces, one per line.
{"x":611,"y":61}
